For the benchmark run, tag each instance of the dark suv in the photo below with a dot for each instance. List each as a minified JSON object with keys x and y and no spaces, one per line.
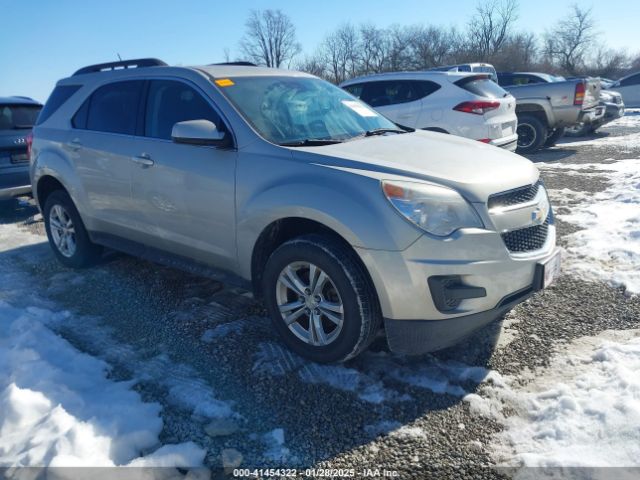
{"x":17,"y":117}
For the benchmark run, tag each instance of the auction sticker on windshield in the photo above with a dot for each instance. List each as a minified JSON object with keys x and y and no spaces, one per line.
{"x":359,"y":108}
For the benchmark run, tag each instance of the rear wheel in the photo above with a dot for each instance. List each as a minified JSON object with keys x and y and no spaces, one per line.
{"x":320,"y":299}
{"x":66,"y":233}
{"x":532,"y":134}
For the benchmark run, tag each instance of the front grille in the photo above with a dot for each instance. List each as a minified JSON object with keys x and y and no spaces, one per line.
{"x":528,"y":238}
{"x":514,"y":197}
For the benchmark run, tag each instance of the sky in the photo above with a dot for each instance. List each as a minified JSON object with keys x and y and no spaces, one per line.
{"x":42,"y":41}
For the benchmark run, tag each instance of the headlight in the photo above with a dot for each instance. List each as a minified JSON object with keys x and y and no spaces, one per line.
{"x":437,"y":210}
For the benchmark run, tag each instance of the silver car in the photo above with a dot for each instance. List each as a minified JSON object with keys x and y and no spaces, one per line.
{"x":341,"y":221}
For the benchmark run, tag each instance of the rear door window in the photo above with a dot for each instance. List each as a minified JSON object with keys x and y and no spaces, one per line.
{"x":482,"y":87}
{"x":112,"y":108}
{"x":393,"y":92}
{"x":170,"y":102}
{"x":60,"y":94}
{"x":17,"y":117}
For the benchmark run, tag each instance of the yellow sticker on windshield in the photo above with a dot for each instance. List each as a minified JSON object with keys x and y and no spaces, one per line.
{"x":224,"y":82}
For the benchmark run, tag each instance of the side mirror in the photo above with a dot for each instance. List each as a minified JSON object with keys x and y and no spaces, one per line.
{"x":197,"y":132}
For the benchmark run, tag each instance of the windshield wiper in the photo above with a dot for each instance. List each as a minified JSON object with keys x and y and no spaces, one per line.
{"x":21,"y":127}
{"x":310,"y":142}
{"x":379,"y":131}
{"x":382,"y":131}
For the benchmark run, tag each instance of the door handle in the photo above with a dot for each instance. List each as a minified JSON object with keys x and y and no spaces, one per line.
{"x":75,"y":144}
{"x":143,"y":159}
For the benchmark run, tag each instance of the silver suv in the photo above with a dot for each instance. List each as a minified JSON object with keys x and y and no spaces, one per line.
{"x":340,"y":220}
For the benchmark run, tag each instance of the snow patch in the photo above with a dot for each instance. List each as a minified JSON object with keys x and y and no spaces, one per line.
{"x":608,"y":246}
{"x":583,"y":411}
{"x":631,"y":119}
{"x":57,"y":407}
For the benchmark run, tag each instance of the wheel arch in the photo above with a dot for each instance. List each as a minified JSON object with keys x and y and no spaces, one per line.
{"x":535,"y":110}
{"x":47,"y":184}
{"x":280,"y":231}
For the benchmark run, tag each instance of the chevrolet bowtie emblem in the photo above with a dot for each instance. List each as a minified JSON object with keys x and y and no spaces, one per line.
{"x":536,"y":217}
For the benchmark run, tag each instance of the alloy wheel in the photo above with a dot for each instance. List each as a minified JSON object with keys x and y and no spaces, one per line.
{"x":309,"y":303}
{"x":62,"y":231}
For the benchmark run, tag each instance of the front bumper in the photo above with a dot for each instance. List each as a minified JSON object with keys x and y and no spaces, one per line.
{"x":413,"y":321}
{"x":415,"y":337}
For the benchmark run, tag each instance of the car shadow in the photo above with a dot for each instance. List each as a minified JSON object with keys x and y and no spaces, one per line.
{"x":15,"y":210}
{"x":143,"y":317}
{"x":555,"y":154}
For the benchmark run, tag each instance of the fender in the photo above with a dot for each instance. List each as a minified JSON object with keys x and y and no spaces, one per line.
{"x":355,"y":208}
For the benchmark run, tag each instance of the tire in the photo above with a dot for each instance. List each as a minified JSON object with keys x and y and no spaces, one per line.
{"x":553,"y":137}
{"x":62,"y":220}
{"x":532,"y":134}
{"x":347,"y":284}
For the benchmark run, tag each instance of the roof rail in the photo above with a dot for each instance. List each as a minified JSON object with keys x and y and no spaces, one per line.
{"x":236,"y":64}
{"x":137,"y":63}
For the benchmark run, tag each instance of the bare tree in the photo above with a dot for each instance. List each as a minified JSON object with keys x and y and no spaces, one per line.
{"x":374,"y":48}
{"x":568,"y":43}
{"x":313,"y":64}
{"x":608,"y":62}
{"x":519,"y":52}
{"x":340,"y":50}
{"x":270,"y":38}
{"x":431,"y":46}
{"x":489,"y":27}
{"x":399,"y":56}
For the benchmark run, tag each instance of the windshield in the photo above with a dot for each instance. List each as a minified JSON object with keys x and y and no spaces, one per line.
{"x":13,"y":117}
{"x":290,"y":110}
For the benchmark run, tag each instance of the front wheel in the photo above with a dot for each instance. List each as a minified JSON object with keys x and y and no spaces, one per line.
{"x":66,"y":233}
{"x":320,"y":298}
{"x":532,"y":134}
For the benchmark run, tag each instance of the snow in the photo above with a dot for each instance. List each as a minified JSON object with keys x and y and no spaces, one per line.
{"x":58,"y":406}
{"x":583,"y":411}
{"x":608,"y":246}
{"x":631,"y":119}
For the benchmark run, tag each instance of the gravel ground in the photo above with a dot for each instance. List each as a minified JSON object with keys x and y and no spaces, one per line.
{"x":138,"y":315}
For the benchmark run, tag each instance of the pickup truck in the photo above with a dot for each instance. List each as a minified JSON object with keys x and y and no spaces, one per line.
{"x":544,"y":109}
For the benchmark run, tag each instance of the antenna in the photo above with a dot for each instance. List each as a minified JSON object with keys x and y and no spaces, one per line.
{"x":119,"y":57}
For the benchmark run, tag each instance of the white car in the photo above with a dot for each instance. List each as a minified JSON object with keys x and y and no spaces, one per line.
{"x":464,"y":104}
{"x":629,"y":88}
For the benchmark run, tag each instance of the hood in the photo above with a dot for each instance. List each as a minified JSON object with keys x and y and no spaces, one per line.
{"x":474,"y":169}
